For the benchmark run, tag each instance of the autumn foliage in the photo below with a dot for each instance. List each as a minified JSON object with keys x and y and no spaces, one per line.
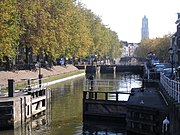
{"x":52,"y":28}
{"x":159,"y":46}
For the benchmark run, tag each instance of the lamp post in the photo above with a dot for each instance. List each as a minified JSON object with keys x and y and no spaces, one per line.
{"x":171,"y":52}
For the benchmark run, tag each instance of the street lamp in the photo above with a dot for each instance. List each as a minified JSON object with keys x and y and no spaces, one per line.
{"x":171,"y":52}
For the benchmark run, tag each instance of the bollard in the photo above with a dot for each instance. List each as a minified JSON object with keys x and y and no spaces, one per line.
{"x":40,"y":80}
{"x":29,"y":84}
{"x":91,"y":79}
{"x":10,"y":88}
{"x":143,"y":85}
{"x":1,"y":87}
{"x":165,"y":126}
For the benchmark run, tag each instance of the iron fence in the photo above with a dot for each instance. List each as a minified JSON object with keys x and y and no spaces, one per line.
{"x":172,"y":87}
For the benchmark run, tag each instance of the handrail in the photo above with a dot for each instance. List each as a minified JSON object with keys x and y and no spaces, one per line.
{"x":106,"y":96}
{"x":32,"y":83}
{"x":2,"y":92}
{"x":106,"y":84}
{"x":129,"y":63}
{"x":172,"y":87}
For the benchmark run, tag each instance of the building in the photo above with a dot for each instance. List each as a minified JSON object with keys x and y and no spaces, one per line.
{"x":174,"y":49}
{"x":144,"y":29}
{"x":178,"y":39}
{"x":128,"y":48}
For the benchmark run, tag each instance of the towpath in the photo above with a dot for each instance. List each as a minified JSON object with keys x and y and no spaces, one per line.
{"x":21,"y":74}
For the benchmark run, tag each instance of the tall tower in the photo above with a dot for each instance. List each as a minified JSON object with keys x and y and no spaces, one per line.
{"x":144,"y":29}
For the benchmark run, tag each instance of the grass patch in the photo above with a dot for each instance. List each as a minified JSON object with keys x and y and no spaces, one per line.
{"x":22,"y":85}
{"x":60,"y":76}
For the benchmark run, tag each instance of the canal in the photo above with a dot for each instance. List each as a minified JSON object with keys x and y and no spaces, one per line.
{"x":64,"y":116}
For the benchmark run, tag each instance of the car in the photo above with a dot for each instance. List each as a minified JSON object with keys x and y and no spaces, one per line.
{"x":168,"y":72}
{"x":159,"y":67}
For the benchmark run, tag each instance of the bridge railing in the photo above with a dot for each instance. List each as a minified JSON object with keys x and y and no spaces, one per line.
{"x":172,"y":87}
{"x":103,"y":85}
{"x":131,"y":63}
{"x":32,"y":83}
{"x":105,"y":96}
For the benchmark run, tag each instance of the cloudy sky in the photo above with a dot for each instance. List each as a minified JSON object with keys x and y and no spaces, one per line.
{"x":125,"y":16}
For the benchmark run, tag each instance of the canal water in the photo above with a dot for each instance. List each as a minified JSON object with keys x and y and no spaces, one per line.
{"x":64,"y":116}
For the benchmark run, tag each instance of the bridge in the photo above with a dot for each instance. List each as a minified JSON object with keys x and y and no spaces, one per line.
{"x":131,"y":60}
{"x":124,"y":64}
{"x":139,"y":68}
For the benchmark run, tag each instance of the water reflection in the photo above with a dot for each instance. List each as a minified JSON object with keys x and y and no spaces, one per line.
{"x":101,"y":128}
{"x":65,"y":113}
{"x":38,"y":126}
{"x":67,"y":107}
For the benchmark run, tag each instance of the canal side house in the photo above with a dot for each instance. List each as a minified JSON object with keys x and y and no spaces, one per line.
{"x":172,"y":85}
{"x":174,"y":49}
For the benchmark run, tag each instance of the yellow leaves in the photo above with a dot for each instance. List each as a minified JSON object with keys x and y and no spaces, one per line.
{"x":54,"y":26}
{"x":159,"y":46}
{"x":9,"y":28}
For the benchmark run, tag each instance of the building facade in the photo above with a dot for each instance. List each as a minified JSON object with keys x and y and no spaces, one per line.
{"x":144,"y":29}
{"x":178,"y":39}
{"x":175,"y":48}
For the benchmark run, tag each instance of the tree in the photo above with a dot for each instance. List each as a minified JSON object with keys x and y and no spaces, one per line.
{"x":10,"y":30}
{"x":158,"y":46}
{"x":52,"y":28}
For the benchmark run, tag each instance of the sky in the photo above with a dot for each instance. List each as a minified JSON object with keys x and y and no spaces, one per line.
{"x":125,"y":16}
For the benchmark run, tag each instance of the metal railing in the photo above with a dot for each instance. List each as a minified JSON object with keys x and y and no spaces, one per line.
{"x":98,"y":84}
{"x":172,"y":87}
{"x":105,"y":96}
{"x":2,"y":92}
{"x":131,"y":63}
{"x":103,"y":85}
{"x":32,"y":83}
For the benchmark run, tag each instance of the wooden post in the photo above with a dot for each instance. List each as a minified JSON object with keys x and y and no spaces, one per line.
{"x":117,"y":96}
{"x":84,"y":94}
{"x":90,"y":95}
{"x":10,"y":87}
{"x":106,"y":96}
{"x":29,"y":84}
{"x":95,"y":95}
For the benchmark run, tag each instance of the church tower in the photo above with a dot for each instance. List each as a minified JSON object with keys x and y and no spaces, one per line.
{"x":144,"y":29}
